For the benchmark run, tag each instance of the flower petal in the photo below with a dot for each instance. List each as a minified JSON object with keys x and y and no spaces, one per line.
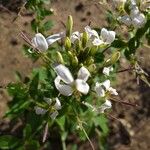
{"x":104,"y":34}
{"x":106,"y":84}
{"x":112,"y":91}
{"x":139,"y":21}
{"x":57,"y":105}
{"x":111,"y":37}
{"x":48,"y":100}
{"x":64,"y":73}
{"x":97,"y":42}
{"x":126,"y":20}
{"x":82,"y":86}
{"x":65,"y":90}
{"x":55,"y":37}
{"x":99,"y":90}
{"x":91,"y":33}
{"x":39,"y":42}
{"x":105,"y":106}
{"x":54,"y":115}
{"x":83,"y":73}
{"x":106,"y":70}
{"x":75,"y":36}
{"x":39,"y":110}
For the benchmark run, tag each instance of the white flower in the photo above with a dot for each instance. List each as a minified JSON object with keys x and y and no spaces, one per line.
{"x":64,"y":74}
{"x":42,"y":111}
{"x":102,"y":88}
{"x":104,"y":106}
{"x":136,"y":18}
{"x":75,"y":36}
{"x":106,"y":37}
{"x":42,"y":43}
{"x":106,"y":70}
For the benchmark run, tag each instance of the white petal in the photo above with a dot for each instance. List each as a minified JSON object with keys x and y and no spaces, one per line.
{"x":65,"y":90}
{"x":55,"y":37}
{"x":57,"y":105}
{"x":97,"y":42}
{"x":139,"y":21}
{"x":99,"y":90}
{"x":106,"y":84}
{"x":75,"y":36}
{"x":91,"y":33}
{"x":134,"y":12}
{"x":112,"y":91}
{"x":104,"y":34}
{"x":54,"y":115}
{"x":111,"y":37}
{"x":126,"y":20}
{"x":39,"y":110}
{"x":106,"y":70}
{"x":48,"y":100}
{"x":82,"y":86}
{"x":39,"y":42}
{"x":105,"y":106}
{"x":64,"y":73}
{"x":83,"y":73}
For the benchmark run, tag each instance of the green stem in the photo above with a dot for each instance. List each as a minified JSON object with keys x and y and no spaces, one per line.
{"x":63,"y":144}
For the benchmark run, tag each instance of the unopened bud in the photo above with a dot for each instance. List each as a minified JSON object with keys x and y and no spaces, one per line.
{"x":93,"y":50}
{"x":112,"y":60}
{"x":89,"y":61}
{"x":84,"y":39}
{"x":92,"y":68}
{"x":73,"y":59}
{"x":67,"y":43}
{"x":69,"y":26}
{"x":59,"y":58}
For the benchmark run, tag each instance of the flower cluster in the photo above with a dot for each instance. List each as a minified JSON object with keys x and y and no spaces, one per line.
{"x":135,"y":17}
{"x":64,"y":81}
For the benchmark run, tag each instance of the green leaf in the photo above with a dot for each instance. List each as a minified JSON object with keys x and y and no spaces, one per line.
{"x":101,"y":121}
{"x":17,"y":108}
{"x":119,"y":44}
{"x":32,"y":145}
{"x":33,"y":89}
{"x":61,"y":122}
{"x":27,"y":131}
{"x":48,"y":25}
{"x":8,"y":142}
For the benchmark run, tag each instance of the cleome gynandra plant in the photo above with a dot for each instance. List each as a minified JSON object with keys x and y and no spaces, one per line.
{"x":72,"y":93}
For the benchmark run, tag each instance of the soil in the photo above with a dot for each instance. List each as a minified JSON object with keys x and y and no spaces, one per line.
{"x":133,"y":131}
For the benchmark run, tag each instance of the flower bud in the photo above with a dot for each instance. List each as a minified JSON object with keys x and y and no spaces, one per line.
{"x":59,"y":58}
{"x":93,"y":50}
{"x":84,"y":39}
{"x":73,"y":58}
{"x":89,"y":61}
{"x":67,"y":43}
{"x":69,"y":26}
{"x":92,"y":68}
{"x":112,"y":60}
